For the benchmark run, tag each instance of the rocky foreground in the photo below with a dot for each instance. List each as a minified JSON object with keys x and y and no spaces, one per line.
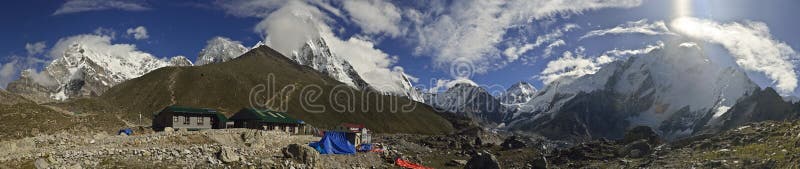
{"x":755,"y":145}
{"x":230,"y":148}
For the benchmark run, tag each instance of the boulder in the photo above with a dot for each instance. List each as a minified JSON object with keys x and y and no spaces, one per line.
{"x":456,"y":163}
{"x":169,"y":129}
{"x":637,"y":149}
{"x":228,"y":155}
{"x":639,"y":133}
{"x":539,"y":163}
{"x":483,"y":160}
{"x":512,"y":143}
{"x":41,"y":164}
{"x":300,"y":153}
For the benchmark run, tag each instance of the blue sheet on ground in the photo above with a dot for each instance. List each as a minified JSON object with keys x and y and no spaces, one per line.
{"x":365,"y":147}
{"x":127,"y":131}
{"x":334,"y":143}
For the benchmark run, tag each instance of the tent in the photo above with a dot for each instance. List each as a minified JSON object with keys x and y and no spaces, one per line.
{"x":334,"y":143}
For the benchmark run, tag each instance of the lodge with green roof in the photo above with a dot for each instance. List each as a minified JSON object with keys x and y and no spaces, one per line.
{"x":266,"y":120}
{"x":182,"y":117}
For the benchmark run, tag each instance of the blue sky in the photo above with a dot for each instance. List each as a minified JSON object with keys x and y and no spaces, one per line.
{"x":425,"y":38}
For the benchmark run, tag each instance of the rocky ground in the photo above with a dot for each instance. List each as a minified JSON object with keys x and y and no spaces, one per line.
{"x":756,"y":145}
{"x":230,"y":148}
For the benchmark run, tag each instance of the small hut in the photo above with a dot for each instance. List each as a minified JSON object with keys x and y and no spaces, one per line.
{"x":180,"y":117}
{"x":356,"y":133}
{"x":266,"y":120}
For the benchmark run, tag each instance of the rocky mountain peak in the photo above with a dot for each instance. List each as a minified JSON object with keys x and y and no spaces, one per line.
{"x":220,"y":49}
{"x":317,"y":54}
{"x":520,"y":92}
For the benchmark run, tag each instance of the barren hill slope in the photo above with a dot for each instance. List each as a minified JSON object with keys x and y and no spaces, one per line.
{"x":227,"y":87}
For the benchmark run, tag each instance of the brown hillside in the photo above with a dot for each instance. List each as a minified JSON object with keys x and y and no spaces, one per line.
{"x":227,"y":87}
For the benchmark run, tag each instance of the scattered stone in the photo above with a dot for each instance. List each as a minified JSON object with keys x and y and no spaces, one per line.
{"x":169,"y":129}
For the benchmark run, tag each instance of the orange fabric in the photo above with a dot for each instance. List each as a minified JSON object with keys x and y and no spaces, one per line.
{"x":409,"y":165}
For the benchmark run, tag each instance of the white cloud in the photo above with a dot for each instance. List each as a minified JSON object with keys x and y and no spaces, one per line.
{"x":471,"y":29}
{"x":552,"y":37}
{"x":75,"y":6}
{"x":288,"y":26}
{"x":138,"y":33}
{"x":8,"y":72}
{"x":249,"y":8}
{"x":688,"y":44}
{"x":751,"y":44}
{"x":292,"y":25}
{"x":633,"y":27}
{"x":549,"y":49}
{"x":572,"y":66}
{"x":617,"y":53}
{"x":35,"y":48}
{"x":375,"y":16}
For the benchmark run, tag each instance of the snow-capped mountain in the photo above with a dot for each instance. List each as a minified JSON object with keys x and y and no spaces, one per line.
{"x":520,"y":92}
{"x":84,"y":71}
{"x":410,"y":91}
{"x":676,"y":90}
{"x":468,"y":100}
{"x":220,"y":49}
{"x":316,"y":54}
{"x":180,"y":61}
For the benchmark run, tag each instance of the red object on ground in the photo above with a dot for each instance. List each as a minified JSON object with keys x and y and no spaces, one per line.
{"x":408,"y":164}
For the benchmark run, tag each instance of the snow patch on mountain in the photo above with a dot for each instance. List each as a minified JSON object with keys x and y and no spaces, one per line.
{"x":669,"y":89}
{"x":88,"y":65}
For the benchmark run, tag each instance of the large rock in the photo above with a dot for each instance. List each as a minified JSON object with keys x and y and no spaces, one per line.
{"x":512,"y":143}
{"x":637,"y":149}
{"x":300,"y":153}
{"x":483,"y":160}
{"x":41,"y":164}
{"x":641,"y":133}
{"x":228,"y":155}
{"x":456,"y":163}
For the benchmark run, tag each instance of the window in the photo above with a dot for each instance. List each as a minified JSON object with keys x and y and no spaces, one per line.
{"x":186,"y":120}
{"x":200,"y":121}
{"x":174,"y":119}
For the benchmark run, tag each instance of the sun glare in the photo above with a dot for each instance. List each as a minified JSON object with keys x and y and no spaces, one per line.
{"x":683,"y":8}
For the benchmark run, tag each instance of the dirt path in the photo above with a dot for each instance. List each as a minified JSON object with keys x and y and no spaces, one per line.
{"x":171,"y":87}
{"x":60,"y":110}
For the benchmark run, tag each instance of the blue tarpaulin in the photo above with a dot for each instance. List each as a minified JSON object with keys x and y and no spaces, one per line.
{"x":334,"y":143}
{"x":127,"y":131}
{"x":365,"y":147}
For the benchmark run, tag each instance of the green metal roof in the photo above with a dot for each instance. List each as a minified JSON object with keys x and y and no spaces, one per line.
{"x":191,"y":110}
{"x":270,"y":116}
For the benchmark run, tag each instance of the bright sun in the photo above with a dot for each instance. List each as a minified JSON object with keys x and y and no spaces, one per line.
{"x":683,"y":8}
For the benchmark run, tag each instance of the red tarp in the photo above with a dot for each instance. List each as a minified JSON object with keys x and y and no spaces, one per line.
{"x":408,"y":164}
